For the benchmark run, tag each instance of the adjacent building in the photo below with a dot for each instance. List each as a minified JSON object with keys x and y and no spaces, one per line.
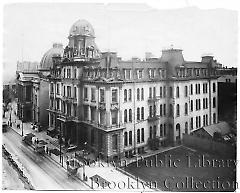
{"x":118,"y":106}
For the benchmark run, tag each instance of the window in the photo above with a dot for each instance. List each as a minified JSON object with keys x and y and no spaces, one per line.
{"x":140,"y":74}
{"x":74,"y":110}
{"x":125,"y":95}
{"x":115,"y":142}
{"x":130,"y":115}
{"x":170,"y":110}
{"x":85,"y":93}
{"x":164,"y":130}
{"x":161,"y":110}
{"x":164,"y":109}
{"x":154,"y":92}
{"x":191,"y":104}
{"x":177,"y":92}
{"x":75,"y":73}
{"x":114,"y":96}
{"x":127,"y":73}
{"x":214,"y":102}
{"x":191,"y":122}
{"x":138,"y":136}
{"x":64,"y":73}
{"x":93,"y":92}
{"x":154,"y":131}
{"x":130,"y":94}
{"x":214,"y":87}
{"x":93,"y":114}
{"x":51,"y":88}
{"x":214,"y":118}
{"x":58,"y":90}
{"x":206,"y":103}
{"x":138,"y":113}
{"x":150,"y":111}
{"x":186,"y":91}
{"x":206,"y":119}
{"x":142,"y":94}
{"x":150,"y":134}
{"x":161,"y":130}
{"x":64,"y":91}
{"x":142,"y":113}
{"x":154,"y":110}
{"x":75,"y":92}
{"x":114,"y":117}
{"x":196,"y":89}
{"x":130,"y":137}
{"x":69,"y":91}
{"x":161,"y":92}
{"x":102,"y":117}
{"x":170,"y":92}
{"x":178,"y":110}
{"x":125,"y":116}
{"x":102,"y":97}
{"x":125,"y":138}
{"x":197,"y":122}
{"x":164,"y":91}
{"x":191,"y":89}
{"x":196,"y":104}
{"x":186,"y":127}
{"x":150,"y":92}
{"x":142,"y":136}
{"x":186,"y":108}
{"x":68,"y":73}
{"x":138,"y":94}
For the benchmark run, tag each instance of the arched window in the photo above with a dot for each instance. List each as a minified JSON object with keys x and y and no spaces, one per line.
{"x":142,"y":113}
{"x":186,"y":128}
{"x":138,"y":94}
{"x":214,"y":117}
{"x":214,"y":87}
{"x":214,"y":102}
{"x":161,"y":110}
{"x":125,"y":115}
{"x":142,"y":94}
{"x":177,"y":92}
{"x":191,"y":105}
{"x":142,"y":136}
{"x":125,"y":95}
{"x":178,"y":131}
{"x":125,"y":138}
{"x":138,"y":113}
{"x":154,"y":131}
{"x":150,"y":134}
{"x":130,"y":137}
{"x":191,"y":89}
{"x":186,"y":108}
{"x":170,"y":110}
{"x":161,"y":130}
{"x":130,"y":115}
{"x":178,"y":110}
{"x":164,"y":129}
{"x":170,"y":92}
{"x":130,"y":94}
{"x":186,"y":91}
{"x":138,"y":136}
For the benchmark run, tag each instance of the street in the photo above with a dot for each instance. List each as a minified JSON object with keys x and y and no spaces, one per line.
{"x":42,"y":172}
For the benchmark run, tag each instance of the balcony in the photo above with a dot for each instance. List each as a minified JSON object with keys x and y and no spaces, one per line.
{"x":153,"y":99}
{"x":104,"y":127}
{"x":153,"y":118}
{"x":114,"y":106}
{"x":102,"y":105}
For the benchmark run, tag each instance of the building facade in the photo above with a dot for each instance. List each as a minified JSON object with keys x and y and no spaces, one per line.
{"x":118,"y":106}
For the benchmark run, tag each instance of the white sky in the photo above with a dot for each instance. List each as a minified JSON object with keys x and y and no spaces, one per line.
{"x":129,"y":29}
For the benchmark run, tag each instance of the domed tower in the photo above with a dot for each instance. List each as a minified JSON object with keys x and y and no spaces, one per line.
{"x":47,"y":59}
{"x":81,"y":42}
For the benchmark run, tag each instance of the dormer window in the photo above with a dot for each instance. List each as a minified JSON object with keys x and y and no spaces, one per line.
{"x":151,"y":73}
{"x":127,"y":74}
{"x":139,"y":74}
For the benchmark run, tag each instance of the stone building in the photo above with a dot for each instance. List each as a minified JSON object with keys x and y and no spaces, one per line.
{"x":33,"y":89}
{"x":118,"y":106}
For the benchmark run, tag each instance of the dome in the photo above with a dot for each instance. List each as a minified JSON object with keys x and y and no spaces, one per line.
{"x":46,"y":62}
{"x":83,"y":28}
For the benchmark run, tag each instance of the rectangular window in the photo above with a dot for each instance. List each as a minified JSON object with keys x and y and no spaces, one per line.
{"x":164,"y":109}
{"x":85,"y":93}
{"x":102,"y":97}
{"x":130,"y":138}
{"x":130,"y":94}
{"x":58,"y":90}
{"x":140,"y":74}
{"x":164,"y":91}
{"x":142,"y":135}
{"x":114,"y":96}
{"x":69,"y":91}
{"x":114,"y":117}
{"x":51,"y":88}
{"x":68,"y":73}
{"x":142,"y":94}
{"x":75,"y":92}
{"x":114,"y":142}
{"x":191,"y":123}
{"x":93,"y":94}
{"x":161,"y":92}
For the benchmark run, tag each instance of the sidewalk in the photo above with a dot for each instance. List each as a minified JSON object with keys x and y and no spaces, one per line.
{"x":118,"y":179}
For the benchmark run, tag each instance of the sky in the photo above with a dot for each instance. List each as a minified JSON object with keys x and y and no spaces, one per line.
{"x":30,"y":29}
